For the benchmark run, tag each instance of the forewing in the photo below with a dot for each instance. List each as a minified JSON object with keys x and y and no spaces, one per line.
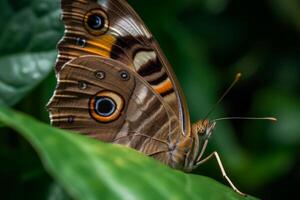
{"x":125,"y":38}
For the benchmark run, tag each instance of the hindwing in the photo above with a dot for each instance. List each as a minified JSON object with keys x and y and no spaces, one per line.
{"x":104,"y":99}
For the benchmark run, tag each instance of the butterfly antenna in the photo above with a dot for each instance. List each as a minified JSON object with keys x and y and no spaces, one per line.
{"x":237,"y":78}
{"x":246,"y":118}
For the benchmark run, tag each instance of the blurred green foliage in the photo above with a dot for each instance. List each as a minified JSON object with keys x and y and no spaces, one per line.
{"x":207,"y":42}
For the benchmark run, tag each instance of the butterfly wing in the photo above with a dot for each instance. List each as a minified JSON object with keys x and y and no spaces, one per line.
{"x":112,"y":29}
{"x":104,"y":99}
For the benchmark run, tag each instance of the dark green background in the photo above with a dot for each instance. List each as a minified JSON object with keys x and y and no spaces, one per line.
{"x":207,"y":42}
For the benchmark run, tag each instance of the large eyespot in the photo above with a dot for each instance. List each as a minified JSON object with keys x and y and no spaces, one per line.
{"x":96,"y":22}
{"x":106,"y":106}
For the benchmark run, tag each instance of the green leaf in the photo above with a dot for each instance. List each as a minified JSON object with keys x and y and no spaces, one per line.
{"x":27,"y":47}
{"x":20,"y":73}
{"x":90,"y":169}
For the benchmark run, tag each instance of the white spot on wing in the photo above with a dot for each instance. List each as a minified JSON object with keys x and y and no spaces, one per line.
{"x":142,"y":57}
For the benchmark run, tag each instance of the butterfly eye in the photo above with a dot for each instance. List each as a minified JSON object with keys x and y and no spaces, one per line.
{"x":96,"y":22}
{"x":106,"y":106}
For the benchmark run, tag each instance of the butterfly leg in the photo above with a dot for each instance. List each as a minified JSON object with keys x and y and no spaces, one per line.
{"x":217,"y":157}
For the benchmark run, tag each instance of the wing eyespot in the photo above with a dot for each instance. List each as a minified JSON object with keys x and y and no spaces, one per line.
{"x":106,"y":106}
{"x":100,"y":75}
{"x":82,"y":85}
{"x":124,"y":75}
{"x":81,"y":42}
{"x":96,"y":22}
{"x":71,"y":119}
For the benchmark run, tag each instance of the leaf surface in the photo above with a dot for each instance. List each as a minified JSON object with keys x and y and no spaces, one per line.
{"x":90,"y":169}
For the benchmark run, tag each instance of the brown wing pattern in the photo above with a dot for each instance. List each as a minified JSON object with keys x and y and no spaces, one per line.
{"x":123,"y":37}
{"x":141,"y":119}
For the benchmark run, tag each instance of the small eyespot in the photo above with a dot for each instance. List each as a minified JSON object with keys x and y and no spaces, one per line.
{"x":82,"y":85}
{"x":106,"y":106}
{"x":124,"y":75}
{"x":100,"y":75}
{"x":96,"y":22}
{"x":81,"y":42}
{"x":71,"y":119}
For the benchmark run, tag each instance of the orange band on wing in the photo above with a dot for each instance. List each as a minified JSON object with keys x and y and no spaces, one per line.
{"x":164,"y":86}
{"x":101,"y":46}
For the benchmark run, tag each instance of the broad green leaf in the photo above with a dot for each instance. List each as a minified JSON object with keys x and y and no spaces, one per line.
{"x":20,"y":73}
{"x":89,"y":169}
{"x":30,"y":31}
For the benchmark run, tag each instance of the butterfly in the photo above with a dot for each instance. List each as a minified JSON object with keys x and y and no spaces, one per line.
{"x":114,"y":84}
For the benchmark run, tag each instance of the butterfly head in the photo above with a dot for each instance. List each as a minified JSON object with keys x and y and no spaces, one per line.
{"x":203,"y":128}
{"x":201,"y":131}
